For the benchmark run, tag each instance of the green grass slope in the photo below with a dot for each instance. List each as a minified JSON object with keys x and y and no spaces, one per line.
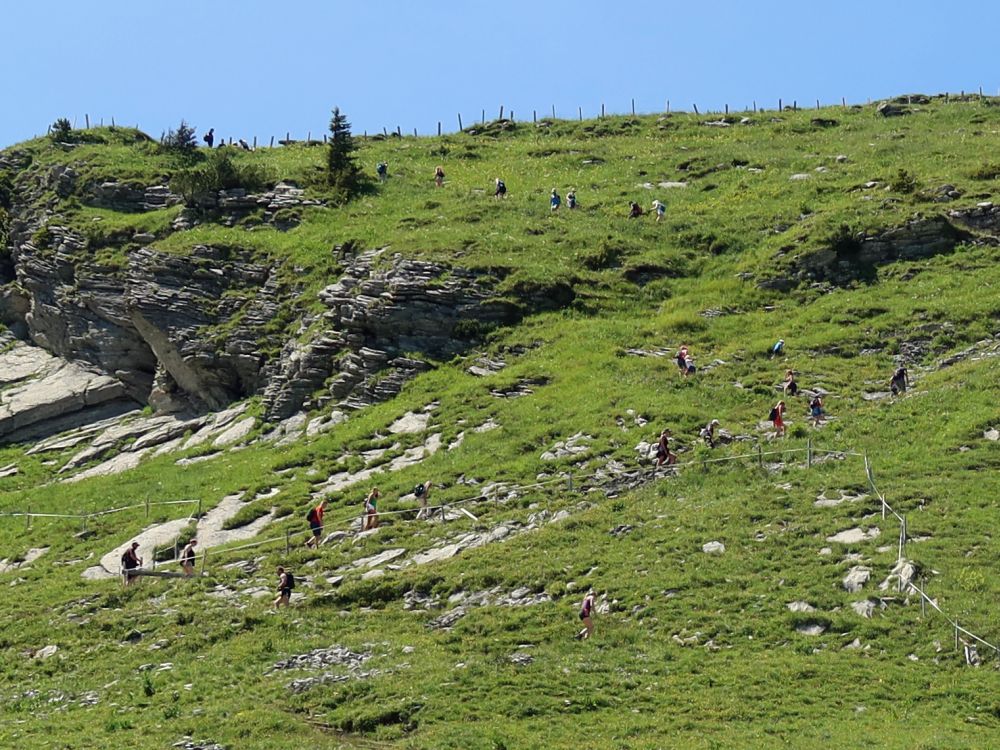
{"x":695,"y":650}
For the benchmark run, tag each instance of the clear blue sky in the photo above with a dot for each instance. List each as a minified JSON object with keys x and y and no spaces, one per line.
{"x":257,"y":68}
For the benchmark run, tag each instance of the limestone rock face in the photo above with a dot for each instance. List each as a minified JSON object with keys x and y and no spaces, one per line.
{"x":380,"y":308}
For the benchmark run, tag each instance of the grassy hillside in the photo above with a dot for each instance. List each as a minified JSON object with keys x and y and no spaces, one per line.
{"x":695,"y":650}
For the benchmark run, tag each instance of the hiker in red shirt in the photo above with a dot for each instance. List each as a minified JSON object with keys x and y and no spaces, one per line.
{"x":315,"y":519}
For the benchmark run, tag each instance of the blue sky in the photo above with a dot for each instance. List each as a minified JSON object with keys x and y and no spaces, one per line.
{"x":255,"y":68}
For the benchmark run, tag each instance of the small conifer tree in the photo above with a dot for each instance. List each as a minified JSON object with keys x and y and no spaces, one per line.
{"x":342,"y":173}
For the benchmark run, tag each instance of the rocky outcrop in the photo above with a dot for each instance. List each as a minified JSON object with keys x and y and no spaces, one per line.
{"x":37,"y":389}
{"x":160,"y":318}
{"x":849,"y":257}
{"x":381,"y":308}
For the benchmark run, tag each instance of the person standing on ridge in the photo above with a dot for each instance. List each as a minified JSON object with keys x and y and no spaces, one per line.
{"x":315,"y":519}
{"x":634,"y":210}
{"x":571,"y":200}
{"x":707,"y":433}
{"x":816,"y":410}
{"x":382,"y":170}
{"x":501,"y":189}
{"x":209,"y":137}
{"x":554,"y":200}
{"x":439,"y":176}
{"x":778,"y":349}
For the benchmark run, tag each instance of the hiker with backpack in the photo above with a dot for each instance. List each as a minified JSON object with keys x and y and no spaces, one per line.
{"x":209,"y":137}
{"x":571,"y":200}
{"x":689,"y":366}
{"x":501,"y":189}
{"x":660,"y":209}
{"x":776,"y":416}
{"x":899,"y":381}
{"x":382,"y":170}
{"x":554,"y":200}
{"x":663,"y":454}
{"x":816,"y":412}
{"x":130,"y":562}
{"x":707,"y":433}
{"x":187,"y":558}
{"x":586,"y":616}
{"x":423,"y":492}
{"x":791,"y":388}
{"x":634,"y":210}
{"x":778,"y":349}
{"x":369,"y":520}
{"x":315,"y":519}
{"x":286,"y":582}
{"x":439,"y":176}
{"x":681,"y":359}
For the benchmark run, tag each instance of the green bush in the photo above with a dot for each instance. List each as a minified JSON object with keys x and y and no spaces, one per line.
{"x":183,"y":139}
{"x":218,"y":172}
{"x":61,"y":130}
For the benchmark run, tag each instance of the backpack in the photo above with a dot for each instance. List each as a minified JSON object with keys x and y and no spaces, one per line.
{"x":311,"y":516}
{"x":418,"y":490}
{"x":289,"y":580}
{"x":773,"y":415}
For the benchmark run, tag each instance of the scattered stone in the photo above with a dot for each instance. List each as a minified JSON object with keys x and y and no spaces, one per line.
{"x":855,"y":536}
{"x":46,"y":652}
{"x":811,"y":628}
{"x":621,"y":530}
{"x":410,"y":423}
{"x":713,"y":548}
{"x":521,"y":659}
{"x":856,"y":578}
{"x":992,"y":434}
{"x":865,"y":608}
{"x":901,"y":576}
{"x":800,"y":607}
{"x":448,"y":619}
{"x":799,"y":177}
{"x":321,"y":658}
{"x":570,"y":447}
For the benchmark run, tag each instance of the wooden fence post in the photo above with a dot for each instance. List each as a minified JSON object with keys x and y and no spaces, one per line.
{"x":501,"y":113}
{"x":760,"y":456}
{"x":668,"y":106}
{"x":633,"y":107}
{"x":579,"y":111}
{"x":414,"y":132}
{"x":272,"y":141}
{"x":843,"y":102}
{"x":399,"y":131}
{"x":147,"y":507}
{"x":484,"y":117}
{"x":695,"y":108}
{"x":255,"y":143}
{"x":534,"y":117}
{"x":87,"y":120}
{"x":288,"y":541}
{"x":460,"y":121}
{"x":27,"y":519}
{"x":204,"y":561}
{"x":602,"y":109}
{"x":569,"y":482}
{"x":553,"y":111}
{"x":923,"y":596}
{"x":809,"y":453}
{"x":288,"y":137}
{"x":112,"y":122}
{"x":727,"y":108}
{"x":439,"y":128}
{"x":780,"y":107}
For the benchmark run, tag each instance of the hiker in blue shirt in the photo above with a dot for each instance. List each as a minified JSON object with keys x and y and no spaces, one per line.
{"x":571,"y":199}
{"x":382,"y":170}
{"x":778,"y":349}
{"x":554,"y":200}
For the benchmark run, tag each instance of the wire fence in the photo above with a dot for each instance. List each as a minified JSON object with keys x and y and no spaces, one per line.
{"x":551,"y":112}
{"x":492,"y":494}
